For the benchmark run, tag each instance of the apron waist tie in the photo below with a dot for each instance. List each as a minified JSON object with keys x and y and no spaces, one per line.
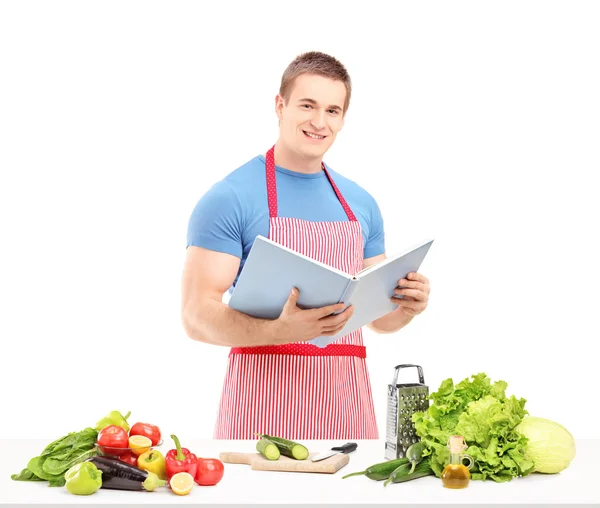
{"x":303,"y":349}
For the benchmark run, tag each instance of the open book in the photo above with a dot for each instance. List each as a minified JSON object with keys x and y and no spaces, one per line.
{"x":272,"y":270}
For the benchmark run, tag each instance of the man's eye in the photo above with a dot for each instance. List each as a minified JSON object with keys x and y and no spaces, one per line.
{"x":307,"y":105}
{"x":333,"y":111}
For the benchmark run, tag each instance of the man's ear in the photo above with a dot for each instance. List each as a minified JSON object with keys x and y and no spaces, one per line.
{"x":279,"y":103}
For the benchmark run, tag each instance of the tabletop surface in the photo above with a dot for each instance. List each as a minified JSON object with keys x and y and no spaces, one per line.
{"x":242,"y":486}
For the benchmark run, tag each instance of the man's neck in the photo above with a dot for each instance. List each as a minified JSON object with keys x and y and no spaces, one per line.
{"x":288,"y":159}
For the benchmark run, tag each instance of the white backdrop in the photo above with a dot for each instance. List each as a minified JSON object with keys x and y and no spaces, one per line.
{"x":475,"y":123}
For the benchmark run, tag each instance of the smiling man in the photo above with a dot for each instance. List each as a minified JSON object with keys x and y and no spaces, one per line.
{"x":275,"y":382}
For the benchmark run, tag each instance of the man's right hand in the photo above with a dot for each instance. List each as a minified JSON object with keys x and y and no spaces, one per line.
{"x":299,"y":325}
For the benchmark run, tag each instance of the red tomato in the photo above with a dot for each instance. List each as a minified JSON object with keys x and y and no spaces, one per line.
{"x":130,"y":458}
{"x":113,"y":440}
{"x":145,"y":429}
{"x":209,"y":472}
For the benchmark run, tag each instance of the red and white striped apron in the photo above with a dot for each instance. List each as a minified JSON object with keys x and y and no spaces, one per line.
{"x":298,"y":390}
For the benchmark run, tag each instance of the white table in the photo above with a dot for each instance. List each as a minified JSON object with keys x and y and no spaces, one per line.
{"x":241,"y":486}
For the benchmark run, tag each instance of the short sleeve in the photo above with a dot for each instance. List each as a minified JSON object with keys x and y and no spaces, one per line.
{"x":375,"y":243}
{"x":216,"y":221}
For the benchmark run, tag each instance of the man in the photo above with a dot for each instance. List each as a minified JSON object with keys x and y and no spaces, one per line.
{"x":275,"y":383}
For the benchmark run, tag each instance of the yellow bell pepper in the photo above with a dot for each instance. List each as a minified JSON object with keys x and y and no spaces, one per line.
{"x":154,"y":462}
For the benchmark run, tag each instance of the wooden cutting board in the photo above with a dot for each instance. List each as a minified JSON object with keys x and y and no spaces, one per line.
{"x":258,"y":462}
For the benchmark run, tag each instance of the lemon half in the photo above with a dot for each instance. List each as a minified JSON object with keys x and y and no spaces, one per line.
{"x":182,"y":483}
{"x":139,"y":444}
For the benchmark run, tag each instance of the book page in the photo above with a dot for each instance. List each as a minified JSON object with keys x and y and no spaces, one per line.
{"x":372,"y":293}
{"x":270,"y":273}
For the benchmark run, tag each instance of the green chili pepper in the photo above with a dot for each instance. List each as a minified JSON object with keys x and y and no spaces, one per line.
{"x":114,"y":418}
{"x":381,"y":470}
{"x":83,"y":479}
{"x":415,"y":454}
{"x":403,"y":474}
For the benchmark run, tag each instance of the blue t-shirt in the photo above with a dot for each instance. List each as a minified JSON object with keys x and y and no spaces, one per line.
{"x":235,"y":210}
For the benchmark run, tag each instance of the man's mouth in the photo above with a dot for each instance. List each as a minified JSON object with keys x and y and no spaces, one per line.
{"x":312,"y":135}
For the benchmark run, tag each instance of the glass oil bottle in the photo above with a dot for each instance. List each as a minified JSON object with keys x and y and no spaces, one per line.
{"x":456,"y":475}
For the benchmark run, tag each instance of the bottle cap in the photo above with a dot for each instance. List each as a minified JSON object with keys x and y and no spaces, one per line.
{"x":456,"y":444}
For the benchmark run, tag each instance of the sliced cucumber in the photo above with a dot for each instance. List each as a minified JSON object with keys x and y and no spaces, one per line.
{"x":288,"y":448}
{"x":268,"y":449}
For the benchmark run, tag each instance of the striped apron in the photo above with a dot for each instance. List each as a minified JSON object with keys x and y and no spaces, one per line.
{"x":298,"y":390}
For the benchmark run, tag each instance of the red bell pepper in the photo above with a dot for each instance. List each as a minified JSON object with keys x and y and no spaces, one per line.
{"x":180,"y":460}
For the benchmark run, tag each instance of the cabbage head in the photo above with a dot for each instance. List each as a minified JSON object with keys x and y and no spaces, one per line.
{"x":549,"y":445}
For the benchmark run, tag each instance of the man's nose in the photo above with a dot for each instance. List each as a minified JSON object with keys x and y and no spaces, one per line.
{"x":318,"y":120}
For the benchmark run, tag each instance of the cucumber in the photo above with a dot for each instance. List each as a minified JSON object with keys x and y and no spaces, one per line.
{"x":288,"y":448}
{"x":268,"y":449}
{"x":381,"y":470}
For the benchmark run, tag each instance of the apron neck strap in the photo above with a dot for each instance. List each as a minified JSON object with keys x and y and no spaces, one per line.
{"x":272,"y":187}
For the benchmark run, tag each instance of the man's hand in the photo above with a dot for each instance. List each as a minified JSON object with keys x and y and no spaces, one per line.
{"x":415,"y":294}
{"x":299,"y":325}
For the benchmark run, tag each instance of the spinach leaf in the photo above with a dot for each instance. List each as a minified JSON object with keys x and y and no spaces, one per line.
{"x":66,"y":443}
{"x":26,"y":476}
{"x":55,"y":467}
{"x":57,"y":481}
{"x":36,"y":466}
{"x":59,"y":456}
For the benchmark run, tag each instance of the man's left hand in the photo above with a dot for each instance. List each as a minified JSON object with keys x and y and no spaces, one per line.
{"x":415,"y":294}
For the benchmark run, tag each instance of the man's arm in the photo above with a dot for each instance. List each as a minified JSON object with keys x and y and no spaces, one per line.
{"x":393,"y":321}
{"x":207,"y":275}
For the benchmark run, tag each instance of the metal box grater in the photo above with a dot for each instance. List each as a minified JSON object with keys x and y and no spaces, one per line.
{"x":403,"y":400}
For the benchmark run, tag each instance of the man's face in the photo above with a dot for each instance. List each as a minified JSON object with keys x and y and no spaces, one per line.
{"x":313,"y":115}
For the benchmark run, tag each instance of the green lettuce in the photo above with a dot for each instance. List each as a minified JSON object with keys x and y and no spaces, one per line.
{"x":478,"y":410}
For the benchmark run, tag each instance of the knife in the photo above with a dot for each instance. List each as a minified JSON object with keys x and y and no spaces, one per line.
{"x":347,"y":448}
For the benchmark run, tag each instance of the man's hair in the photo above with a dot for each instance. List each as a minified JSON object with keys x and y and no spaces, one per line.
{"x":320,"y":64}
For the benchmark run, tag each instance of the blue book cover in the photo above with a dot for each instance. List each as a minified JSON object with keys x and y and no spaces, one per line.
{"x":272,"y":270}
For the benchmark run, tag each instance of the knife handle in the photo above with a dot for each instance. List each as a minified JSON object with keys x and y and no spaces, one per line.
{"x":347,"y":448}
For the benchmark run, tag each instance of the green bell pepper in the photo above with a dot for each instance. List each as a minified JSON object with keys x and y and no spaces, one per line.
{"x":83,"y":479}
{"x":113,"y":418}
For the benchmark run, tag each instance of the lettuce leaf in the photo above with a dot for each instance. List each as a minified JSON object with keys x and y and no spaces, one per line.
{"x":478,"y":410}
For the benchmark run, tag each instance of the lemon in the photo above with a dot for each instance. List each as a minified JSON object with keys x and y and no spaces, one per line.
{"x":181,"y":483}
{"x":139,"y":444}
